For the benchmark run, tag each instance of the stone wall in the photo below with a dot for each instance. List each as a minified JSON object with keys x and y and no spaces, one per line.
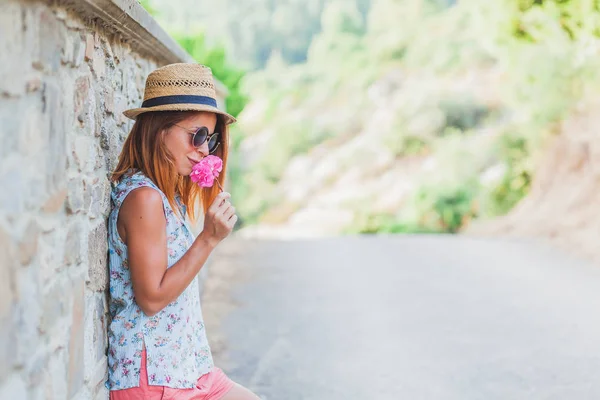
{"x":68,"y":71}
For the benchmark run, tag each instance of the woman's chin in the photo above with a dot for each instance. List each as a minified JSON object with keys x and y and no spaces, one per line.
{"x":185,"y":171}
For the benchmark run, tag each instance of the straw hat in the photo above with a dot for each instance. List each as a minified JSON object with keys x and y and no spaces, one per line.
{"x":180,"y":87}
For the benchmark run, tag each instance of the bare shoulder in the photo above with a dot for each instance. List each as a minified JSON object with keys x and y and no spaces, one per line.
{"x":144,"y":207}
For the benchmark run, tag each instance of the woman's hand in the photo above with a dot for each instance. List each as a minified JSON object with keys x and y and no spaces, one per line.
{"x":143,"y":228}
{"x":219,"y":220}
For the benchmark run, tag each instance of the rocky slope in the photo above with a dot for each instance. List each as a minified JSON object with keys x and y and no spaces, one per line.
{"x":324,"y":191}
{"x":562,"y":206}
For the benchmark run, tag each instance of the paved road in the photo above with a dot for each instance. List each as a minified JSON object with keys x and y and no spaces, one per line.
{"x":406,"y":318}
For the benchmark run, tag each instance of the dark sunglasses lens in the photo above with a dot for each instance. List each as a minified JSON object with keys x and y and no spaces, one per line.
{"x":213,"y":142}
{"x":200,"y":137}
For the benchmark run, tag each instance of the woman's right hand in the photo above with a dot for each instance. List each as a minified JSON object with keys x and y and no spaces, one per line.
{"x":219,"y":220}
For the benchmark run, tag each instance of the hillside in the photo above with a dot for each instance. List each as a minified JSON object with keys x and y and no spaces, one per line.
{"x":402,"y":116}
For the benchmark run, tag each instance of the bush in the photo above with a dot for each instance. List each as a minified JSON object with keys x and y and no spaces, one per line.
{"x":383,"y":223}
{"x":463,"y":114}
{"x":446,"y":208}
{"x":516,"y":182}
{"x":405,"y":145}
{"x":432,"y":209}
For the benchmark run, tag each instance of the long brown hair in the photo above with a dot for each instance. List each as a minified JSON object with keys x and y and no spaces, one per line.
{"x":144,"y":150}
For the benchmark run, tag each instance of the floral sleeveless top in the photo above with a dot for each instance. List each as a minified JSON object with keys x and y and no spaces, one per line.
{"x":177,"y":349}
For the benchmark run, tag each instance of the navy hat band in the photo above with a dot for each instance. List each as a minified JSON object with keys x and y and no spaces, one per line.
{"x":180,"y":99}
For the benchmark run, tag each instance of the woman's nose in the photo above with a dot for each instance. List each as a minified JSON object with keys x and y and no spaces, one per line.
{"x":203,"y":149}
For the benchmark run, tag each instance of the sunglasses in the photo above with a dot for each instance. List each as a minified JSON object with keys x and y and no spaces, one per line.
{"x":201,"y":135}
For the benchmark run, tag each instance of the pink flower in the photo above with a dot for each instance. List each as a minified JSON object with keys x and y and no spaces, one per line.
{"x":205,"y":172}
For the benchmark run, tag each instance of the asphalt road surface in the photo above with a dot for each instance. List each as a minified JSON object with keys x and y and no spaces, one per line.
{"x":406,"y":317}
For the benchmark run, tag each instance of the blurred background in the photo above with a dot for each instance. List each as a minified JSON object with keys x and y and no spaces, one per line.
{"x":427,"y":162}
{"x":403,"y":116}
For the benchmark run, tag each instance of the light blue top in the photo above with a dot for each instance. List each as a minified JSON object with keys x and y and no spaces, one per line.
{"x":177,"y":349}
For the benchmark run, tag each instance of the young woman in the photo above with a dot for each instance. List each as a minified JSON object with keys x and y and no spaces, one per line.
{"x":158,"y":347}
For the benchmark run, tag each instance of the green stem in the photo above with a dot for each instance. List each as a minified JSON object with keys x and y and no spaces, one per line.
{"x":220,"y":187}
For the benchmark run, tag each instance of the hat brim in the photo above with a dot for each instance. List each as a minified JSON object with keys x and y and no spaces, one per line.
{"x":134,"y":112}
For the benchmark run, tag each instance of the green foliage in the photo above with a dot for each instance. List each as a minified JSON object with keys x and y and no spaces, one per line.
{"x":445,"y":208}
{"x":405,"y":145}
{"x":367,"y":223}
{"x":148,"y":6}
{"x":574,"y":17}
{"x":432,"y":209}
{"x":286,"y":143}
{"x":254,"y":30}
{"x":464,"y":114}
{"x":515,"y":183}
{"x":536,"y":55}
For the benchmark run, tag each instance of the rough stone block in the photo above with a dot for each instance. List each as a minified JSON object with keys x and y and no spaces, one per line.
{"x":98,"y":258}
{"x":36,"y":193}
{"x":117,"y":80}
{"x":28,"y":244}
{"x":83,"y":151}
{"x":13,"y":184}
{"x":102,"y":392}
{"x":51,"y":253}
{"x":100,"y":164}
{"x":7,"y":263}
{"x":109,"y":137}
{"x":89,"y":47}
{"x":52,"y":36}
{"x":87,"y":196}
{"x":68,"y":49}
{"x":61,"y":14}
{"x":109,"y":100}
{"x":140,"y":82}
{"x":96,"y":340}
{"x":32,"y":133}
{"x":10,"y":125}
{"x":120,"y":106}
{"x":55,"y":202}
{"x":13,"y":387}
{"x":27,"y":316}
{"x":100,"y":198}
{"x":74,"y":243}
{"x":37,"y":367}
{"x":108,"y":53}
{"x":81,"y":99}
{"x":8,"y":350}
{"x":100,"y":338}
{"x":55,"y":113}
{"x":55,"y":305}
{"x":99,"y":64}
{"x":75,"y":371}
{"x":75,"y":22}
{"x":105,"y":141}
{"x":54,"y":375}
{"x":38,"y":393}
{"x":75,"y":195}
{"x":73,"y":51}
{"x":7,"y":303}
{"x":33,"y":84}
{"x":133,"y":82}
{"x":78,"y":51}
{"x":12,"y":41}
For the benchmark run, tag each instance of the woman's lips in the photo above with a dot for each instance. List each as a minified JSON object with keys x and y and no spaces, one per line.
{"x":194,"y":162}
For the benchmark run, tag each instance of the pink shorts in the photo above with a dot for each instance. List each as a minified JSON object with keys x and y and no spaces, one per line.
{"x":211,"y":386}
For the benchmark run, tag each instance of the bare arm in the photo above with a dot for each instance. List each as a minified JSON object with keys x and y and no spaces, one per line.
{"x":143,"y":221}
